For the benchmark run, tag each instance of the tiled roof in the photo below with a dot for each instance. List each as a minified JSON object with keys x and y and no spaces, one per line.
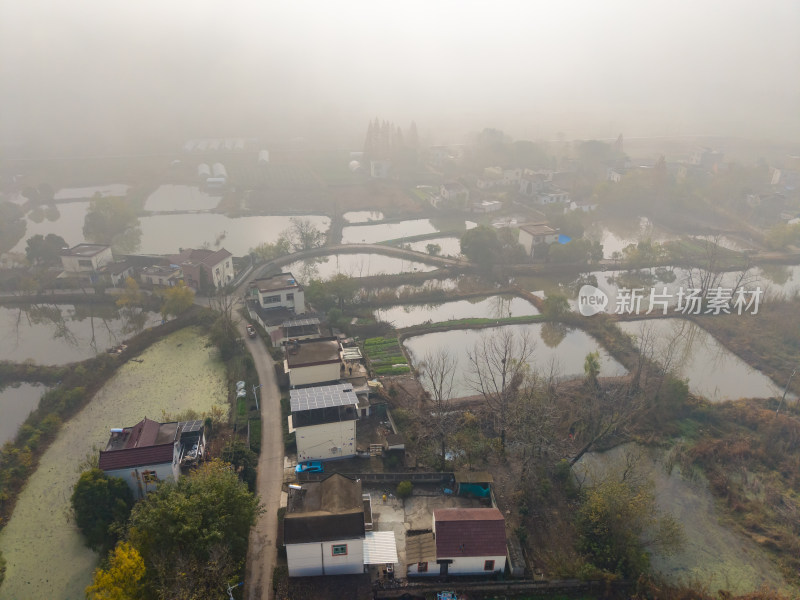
{"x":469,"y":532}
{"x":135,"y":457}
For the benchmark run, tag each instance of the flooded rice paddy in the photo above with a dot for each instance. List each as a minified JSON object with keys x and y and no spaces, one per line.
{"x":44,"y":550}
{"x":57,"y":334}
{"x":381,"y":232}
{"x":112,"y":189}
{"x":169,"y":198}
{"x":450,"y":246}
{"x":493,"y":307}
{"x":164,"y":234}
{"x":354,"y":265}
{"x":362,"y":216}
{"x":712,"y":554}
{"x":65,"y":220}
{"x":557,"y":350}
{"x":712,"y":370}
{"x":16,"y":403}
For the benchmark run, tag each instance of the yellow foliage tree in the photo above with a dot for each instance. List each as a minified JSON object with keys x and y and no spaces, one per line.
{"x":121,"y":580}
{"x":177,"y":299}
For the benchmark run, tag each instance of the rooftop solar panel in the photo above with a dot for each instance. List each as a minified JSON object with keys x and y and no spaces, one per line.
{"x":300,"y":322}
{"x":341,"y":394}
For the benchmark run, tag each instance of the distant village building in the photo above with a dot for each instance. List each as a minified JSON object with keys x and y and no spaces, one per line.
{"x":263,"y":157}
{"x":553,"y":197}
{"x":203,"y":171}
{"x":379,"y":169}
{"x":278,"y":304}
{"x":167,"y":275}
{"x":536,"y":235}
{"x":150,"y":452}
{"x":86,"y":258}
{"x":487,"y":206}
{"x":452,"y":196}
{"x":614,"y":175}
{"x":214,"y":267}
{"x":323,"y":420}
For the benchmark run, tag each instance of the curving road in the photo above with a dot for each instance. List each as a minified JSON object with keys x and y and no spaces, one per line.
{"x":262,"y":553}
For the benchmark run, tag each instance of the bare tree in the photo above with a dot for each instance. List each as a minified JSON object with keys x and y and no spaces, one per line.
{"x":437,"y":372}
{"x":304,"y":235}
{"x":499,"y":362}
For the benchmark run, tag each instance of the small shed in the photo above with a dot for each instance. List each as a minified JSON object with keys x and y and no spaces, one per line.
{"x":474,"y":484}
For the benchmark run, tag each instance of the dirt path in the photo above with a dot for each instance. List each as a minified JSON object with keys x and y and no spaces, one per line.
{"x":262,"y":553}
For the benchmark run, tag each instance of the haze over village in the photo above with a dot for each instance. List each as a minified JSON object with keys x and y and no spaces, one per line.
{"x":452,"y":300}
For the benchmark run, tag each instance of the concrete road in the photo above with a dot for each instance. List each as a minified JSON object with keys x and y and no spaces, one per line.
{"x":262,"y":554}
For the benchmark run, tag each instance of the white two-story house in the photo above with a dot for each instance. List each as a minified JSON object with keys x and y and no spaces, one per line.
{"x":323,"y":420}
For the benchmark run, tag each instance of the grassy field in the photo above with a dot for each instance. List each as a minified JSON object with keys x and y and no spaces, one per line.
{"x":385,"y":356}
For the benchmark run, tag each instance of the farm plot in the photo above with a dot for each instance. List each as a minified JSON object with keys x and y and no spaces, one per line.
{"x":385,"y":356}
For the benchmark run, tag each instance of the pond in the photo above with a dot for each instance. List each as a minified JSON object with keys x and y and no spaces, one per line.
{"x":354,"y":265}
{"x":362,"y":216}
{"x":164,"y":234}
{"x":493,"y":307}
{"x":172,"y":198}
{"x":57,"y":334}
{"x":16,"y":403}
{"x":371,"y":234}
{"x":616,"y":235}
{"x":450,"y":246}
{"x":712,"y":370}
{"x":712,"y":554}
{"x":558,"y":348}
{"x":43,"y":548}
{"x":112,"y":189}
{"x":65,"y":220}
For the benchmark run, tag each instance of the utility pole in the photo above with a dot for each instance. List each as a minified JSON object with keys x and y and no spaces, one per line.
{"x":786,"y":389}
{"x":255,"y":387}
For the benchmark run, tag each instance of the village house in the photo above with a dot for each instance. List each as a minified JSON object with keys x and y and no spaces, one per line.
{"x":451,"y":196}
{"x":86,"y":258}
{"x":536,"y":235}
{"x":532,"y":182}
{"x":324,"y":421}
{"x":278,"y":304}
{"x":487,"y":206}
{"x":116,"y":273}
{"x":311,"y":362}
{"x":150,"y":452}
{"x":553,"y":197}
{"x":211,"y":268}
{"x":324,"y":528}
{"x":464,"y":541}
{"x":166,"y":275}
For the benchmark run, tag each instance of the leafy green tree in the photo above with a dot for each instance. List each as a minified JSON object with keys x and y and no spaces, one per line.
{"x":177,"y":299}
{"x":303,"y":235}
{"x":555,"y":306}
{"x":44,"y":250}
{"x":591,"y":367}
{"x":111,"y":221}
{"x":619,"y":523}
{"x":193,"y":533}
{"x":244,"y":460}
{"x":100,"y":504}
{"x":433,"y":249}
{"x":266,"y":252}
{"x":481,"y":246}
{"x":404,"y":489}
{"x":121,"y":581}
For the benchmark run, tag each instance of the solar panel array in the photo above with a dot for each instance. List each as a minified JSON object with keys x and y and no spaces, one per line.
{"x":341,"y":394}
{"x":188,"y":426}
{"x":300,"y":322}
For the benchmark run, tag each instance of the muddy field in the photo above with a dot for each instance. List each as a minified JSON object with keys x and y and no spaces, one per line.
{"x":45,"y":553}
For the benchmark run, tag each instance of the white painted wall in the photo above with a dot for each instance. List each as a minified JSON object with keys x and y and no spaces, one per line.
{"x":316,"y":558}
{"x":223,"y":273}
{"x":472,"y":565}
{"x":315,"y":374}
{"x":316,"y":441}
{"x":526,"y":239}
{"x":73,"y":263}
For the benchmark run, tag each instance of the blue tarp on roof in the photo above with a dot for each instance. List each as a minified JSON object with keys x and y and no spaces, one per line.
{"x":563,"y":239}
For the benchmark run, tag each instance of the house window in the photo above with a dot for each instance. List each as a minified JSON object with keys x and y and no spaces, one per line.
{"x":271,"y":299}
{"x":85,"y":263}
{"x":290,"y":296}
{"x":422,"y":567}
{"x":488,"y":565}
{"x":149,"y":476}
{"x":339,"y":550}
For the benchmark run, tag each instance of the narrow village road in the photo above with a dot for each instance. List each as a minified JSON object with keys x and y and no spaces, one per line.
{"x":262,"y":553}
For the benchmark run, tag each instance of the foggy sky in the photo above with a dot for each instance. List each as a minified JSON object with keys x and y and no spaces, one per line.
{"x":109,"y":73}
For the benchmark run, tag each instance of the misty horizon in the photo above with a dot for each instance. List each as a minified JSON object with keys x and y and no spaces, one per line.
{"x":84,"y":75}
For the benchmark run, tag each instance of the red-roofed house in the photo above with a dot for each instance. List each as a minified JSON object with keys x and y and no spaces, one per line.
{"x":150,"y":452}
{"x":217,"y":265}
{"x":469,"y":541}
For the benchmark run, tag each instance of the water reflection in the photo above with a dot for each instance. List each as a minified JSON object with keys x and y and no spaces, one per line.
{"x":16,"y":403}
{"x":493,"y":307}
{"x":354,"y":265}
{"x":59,"y":334}
{"x":362,"y":216}
{"x":565,"y":360}
{"x":692,"y":353}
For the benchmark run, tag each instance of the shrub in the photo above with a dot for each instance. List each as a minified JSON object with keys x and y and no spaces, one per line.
{"x":404,"y":489}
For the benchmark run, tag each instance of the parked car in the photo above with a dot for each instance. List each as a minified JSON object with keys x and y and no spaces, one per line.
{"x":310,"y":466}
{"x":251,"y":331}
